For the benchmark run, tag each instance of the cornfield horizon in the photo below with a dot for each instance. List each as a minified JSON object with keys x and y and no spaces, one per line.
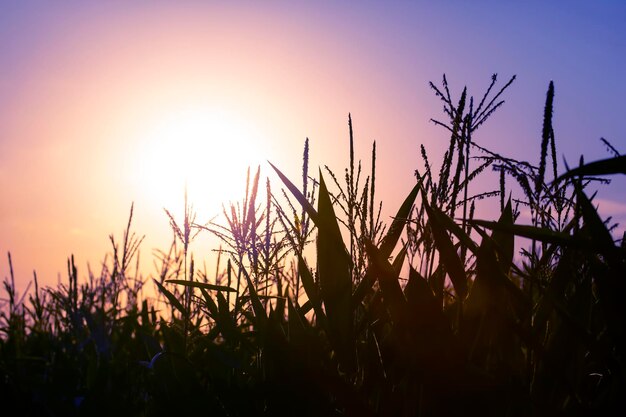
{"x":489,"y":206}
{"x":103,"y":104}
{"x":317,"y":306}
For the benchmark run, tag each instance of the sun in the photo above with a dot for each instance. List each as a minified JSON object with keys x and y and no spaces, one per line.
{"x":202,"y":150}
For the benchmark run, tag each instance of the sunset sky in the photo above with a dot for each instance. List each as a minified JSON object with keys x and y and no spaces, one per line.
{"x":111,"y":102}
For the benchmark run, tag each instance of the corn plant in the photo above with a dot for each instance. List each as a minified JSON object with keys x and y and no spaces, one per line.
{"x":318,"y":308}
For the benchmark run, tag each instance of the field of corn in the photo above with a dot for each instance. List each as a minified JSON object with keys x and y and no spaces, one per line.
{"x":319,"y":308}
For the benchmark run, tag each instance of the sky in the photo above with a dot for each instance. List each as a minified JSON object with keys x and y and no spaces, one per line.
{"x":105,"y":104}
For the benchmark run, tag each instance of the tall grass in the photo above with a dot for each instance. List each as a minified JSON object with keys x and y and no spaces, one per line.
{"x":310,"y":311}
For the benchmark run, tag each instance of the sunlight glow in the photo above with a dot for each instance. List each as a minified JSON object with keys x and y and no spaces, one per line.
{"x":205,"y":150}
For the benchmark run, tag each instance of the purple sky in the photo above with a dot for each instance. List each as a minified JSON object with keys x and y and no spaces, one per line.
{"x":81,"y":84}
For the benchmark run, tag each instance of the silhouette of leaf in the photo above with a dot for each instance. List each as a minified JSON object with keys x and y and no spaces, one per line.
{"x":542,"y":234}
{"x":310,"y":288}
{"x":298,"y":195}
{"x":171,"y":298}
{"x":609,"y":166}
{"x":334,"y":269}
{"x":196,"y":284}
{"x":448,"y":255}
{"x":395,"y":230}
{"x":393,"y":296}
{"x":505,"y":240}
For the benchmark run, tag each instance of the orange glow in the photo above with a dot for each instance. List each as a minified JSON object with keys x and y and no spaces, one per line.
{"x":206,"y":150}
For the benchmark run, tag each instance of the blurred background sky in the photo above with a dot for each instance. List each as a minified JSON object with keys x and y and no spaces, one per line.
{"x":106,"y":103}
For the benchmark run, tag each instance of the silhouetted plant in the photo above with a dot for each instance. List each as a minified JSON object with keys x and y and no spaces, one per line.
{"x":440,"y":319}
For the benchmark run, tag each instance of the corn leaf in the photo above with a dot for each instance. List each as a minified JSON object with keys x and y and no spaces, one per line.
{"x":171,"y":298}
{"x":448,"y":255}
{"x":334,"y":269}
{"x":364,"y":286}
{"x":388,"y":244}
{"x":397,"y":225}
{"x":609,"y":166}
{"x":224,"y":319}
{"x":542,"y":234}
{"x":609,"y":276}
{"x":297,"y":194}
{"x":398,"y":261}
{"x":419,"y":296}
{"x":505,"y":240}
{"x":598,"y":232}
{"x":196,"y":284}
{"x":209,"y":303}
{"x":257,"y":306}
{"x":426,"y":317}
{"x":451,"y":226}
{"x":311,"y":291}
{"x":492,"y":287}
{"x":393,"y":296}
